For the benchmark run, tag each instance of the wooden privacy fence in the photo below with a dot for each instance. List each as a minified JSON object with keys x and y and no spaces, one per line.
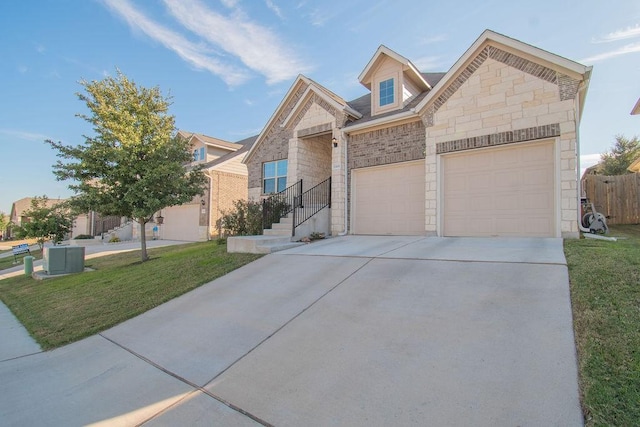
{"x":616,"y":197}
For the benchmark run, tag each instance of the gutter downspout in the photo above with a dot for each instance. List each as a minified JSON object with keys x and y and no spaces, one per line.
{"x":578,"y":117}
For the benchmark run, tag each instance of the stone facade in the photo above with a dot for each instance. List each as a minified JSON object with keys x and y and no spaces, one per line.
{"x":501,"y":98}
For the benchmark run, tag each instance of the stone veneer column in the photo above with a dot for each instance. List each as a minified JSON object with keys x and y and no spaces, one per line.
{"x":431,"y":192}
{"x":292,"y":165}
{"x":338,"y":169}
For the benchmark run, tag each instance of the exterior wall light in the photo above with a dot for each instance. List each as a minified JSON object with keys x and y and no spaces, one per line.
{"x":335,"y":142}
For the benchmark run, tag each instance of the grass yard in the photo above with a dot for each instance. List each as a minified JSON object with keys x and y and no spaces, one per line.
{"x":605,"y":293}
{"x":8,"y":262}
{"x":65,"y":309}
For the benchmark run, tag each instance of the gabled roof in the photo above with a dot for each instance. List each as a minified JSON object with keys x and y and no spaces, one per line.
{"x":636,"y":108}
{"x":208,"y":140}
{"x":312,"y":86}
{"x":332,"y":99}
{"x":635,"y":166}
{"x":366,"y":74}
{"x":246,"y":146}
{"x":20,"y":206}
{"x":552,"y":61}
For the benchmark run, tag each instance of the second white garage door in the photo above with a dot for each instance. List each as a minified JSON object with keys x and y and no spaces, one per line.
{"x":389,"y":199}
{"x":181,"y":223}
{"x":507,"y":191}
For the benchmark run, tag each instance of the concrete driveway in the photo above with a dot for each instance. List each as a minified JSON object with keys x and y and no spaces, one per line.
{"x":356,"y":330}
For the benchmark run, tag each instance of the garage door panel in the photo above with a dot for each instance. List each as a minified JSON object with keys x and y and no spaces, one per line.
{"x":507,"y":191}
{"x":181,"y":223}
{"x":389,"y":199}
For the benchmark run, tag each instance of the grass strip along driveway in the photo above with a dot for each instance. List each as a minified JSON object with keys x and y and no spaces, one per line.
{"x":605,"y":294}
{"x":62,"y":310}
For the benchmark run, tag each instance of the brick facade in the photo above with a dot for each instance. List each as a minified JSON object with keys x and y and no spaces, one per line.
{"x":400,"y":143}
{"x":274,"y":145}
{"x":226,"y":188}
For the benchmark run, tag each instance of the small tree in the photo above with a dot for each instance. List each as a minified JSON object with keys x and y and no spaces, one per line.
{"x":622,"y":154}
{"x":45,"y":222}
{"x":4,"y":223}
{"x":135,"y":164}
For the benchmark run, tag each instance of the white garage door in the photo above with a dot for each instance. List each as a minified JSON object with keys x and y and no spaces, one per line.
{"x":181,"y":223}
{"x":389,"y":199}
{"x":507,"y":191}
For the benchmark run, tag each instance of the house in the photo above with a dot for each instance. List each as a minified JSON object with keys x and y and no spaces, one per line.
{"x":488,"y":148}
{"x":17,"y":215}
{"x":199,"y":219}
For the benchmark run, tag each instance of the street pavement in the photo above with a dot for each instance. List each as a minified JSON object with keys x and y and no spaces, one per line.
{"x":354,"y":330}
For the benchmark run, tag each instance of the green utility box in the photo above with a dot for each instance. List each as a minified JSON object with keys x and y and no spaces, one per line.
{"x":28,"y":265}
{"x":63,"y":259}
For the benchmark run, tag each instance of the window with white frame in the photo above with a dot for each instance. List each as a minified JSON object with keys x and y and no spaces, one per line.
{"x":202,"y":155}
{"x":274,"y":176}
{"x":386,"y":92}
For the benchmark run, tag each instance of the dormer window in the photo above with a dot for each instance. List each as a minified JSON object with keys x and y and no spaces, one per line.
{"x":198,"y":154}
{"x":386,"y":92}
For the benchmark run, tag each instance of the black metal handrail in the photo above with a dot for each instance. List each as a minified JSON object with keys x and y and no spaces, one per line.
{"x":280,"y":204}
{"x":312,"y":201}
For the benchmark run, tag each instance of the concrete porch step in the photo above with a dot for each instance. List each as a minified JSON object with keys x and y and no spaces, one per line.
{"x":260,"y":244}
{"x":282,"y":232}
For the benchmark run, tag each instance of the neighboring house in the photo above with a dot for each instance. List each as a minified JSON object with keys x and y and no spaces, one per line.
{"x":486,"y":149}
{"x":199,"y":220}
{"x":17,"y":215}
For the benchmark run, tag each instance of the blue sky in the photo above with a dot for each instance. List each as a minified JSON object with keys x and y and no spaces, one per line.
{"x":228,"y":63}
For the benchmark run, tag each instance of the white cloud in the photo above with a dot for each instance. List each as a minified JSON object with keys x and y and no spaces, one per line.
{"x":624,"y":50}
{"x":428,"y":63}
{"x":229,"y":3}
{"x":274,"y":7}
{"x":24,"y":135}
{"x":40,"y":48}
{"x":195,"y":54}
{"x":319,"y":18}
{"x":249,"y":102}
{"x":627,"y":33}
{"x":435,"y":39}
{"x":22,"y":69}
{"x":256,"y":46}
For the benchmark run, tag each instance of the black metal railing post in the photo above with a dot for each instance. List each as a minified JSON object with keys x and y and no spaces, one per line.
{"x":280,"y":204}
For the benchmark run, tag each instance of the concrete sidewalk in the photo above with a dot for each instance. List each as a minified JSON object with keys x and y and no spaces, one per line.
{"x":351,"y":331}
{"x":15,"y":341}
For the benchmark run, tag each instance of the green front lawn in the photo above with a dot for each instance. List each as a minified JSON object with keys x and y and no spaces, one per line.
{"x":65,"y":309}
{"x":605,"y":293}
{"x":8,"y":262}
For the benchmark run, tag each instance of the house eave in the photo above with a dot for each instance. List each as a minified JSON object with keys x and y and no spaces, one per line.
{"x":273,"y":117}
{"x":491,"y":37}
{"x":636,"y":108}
{"x":329,"y":100}
{"x":381,"y":121}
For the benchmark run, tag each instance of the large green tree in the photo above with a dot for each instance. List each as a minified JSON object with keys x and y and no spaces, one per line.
{"x":134,"y":165}
{"x":622,"y":154}
{"x":45,"y":221}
